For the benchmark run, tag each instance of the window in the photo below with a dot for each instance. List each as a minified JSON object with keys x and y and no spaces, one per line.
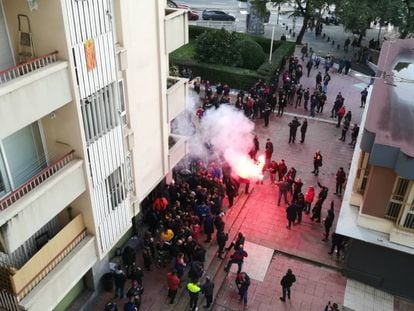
{"x":363,"y":172}
{"x":401,"y":204}
{"x":115,"y":188}
{"x":99,"y":113}
{"x":122,"y":111}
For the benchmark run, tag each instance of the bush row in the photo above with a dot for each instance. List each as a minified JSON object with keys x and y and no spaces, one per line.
{"x":194,"y":31}
{"x":238,"y":78}
{"x":284,"y":49}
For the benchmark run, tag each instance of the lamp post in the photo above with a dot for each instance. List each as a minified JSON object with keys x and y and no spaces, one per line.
{"x":271,"y":45}
{"x":278,"y":12}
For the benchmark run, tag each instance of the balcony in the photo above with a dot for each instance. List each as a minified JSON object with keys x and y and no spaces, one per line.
{"x":25,"y":210}
{"x":50,"y":273}
{"x":178,"y":149}
{"x":32,"y":90}
{"x":176,"y":29}
{"x":177,"y":90}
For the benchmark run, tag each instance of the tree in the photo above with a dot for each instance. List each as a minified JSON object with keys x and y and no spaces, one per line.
{"x":308,"y":9}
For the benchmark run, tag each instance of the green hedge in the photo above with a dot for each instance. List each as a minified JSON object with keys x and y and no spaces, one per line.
{"x":285,"y":49}
{"x":238,"y":78}
{"x":194,"y":31}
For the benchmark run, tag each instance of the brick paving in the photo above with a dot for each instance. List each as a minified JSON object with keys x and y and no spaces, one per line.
{"x":263,"y":222}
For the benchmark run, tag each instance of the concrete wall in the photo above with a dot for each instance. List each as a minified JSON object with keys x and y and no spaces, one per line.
{"x":145,"y":86}
{"x":46,"y":23}
{"x":54,"y":287}
{"x":25,"y":217}
{"x":378,"y":191}
{"x":380,"y":267}
{"x":32,"y":96}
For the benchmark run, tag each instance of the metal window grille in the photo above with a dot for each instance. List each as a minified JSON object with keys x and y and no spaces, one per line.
{"x":398,"y":197}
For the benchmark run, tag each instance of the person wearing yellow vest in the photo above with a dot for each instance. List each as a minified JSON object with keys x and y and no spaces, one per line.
{"x":193,"y":290}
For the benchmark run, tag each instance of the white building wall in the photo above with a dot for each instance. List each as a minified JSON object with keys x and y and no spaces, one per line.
{"x":145,"y":86}
{"x":92,"y":20}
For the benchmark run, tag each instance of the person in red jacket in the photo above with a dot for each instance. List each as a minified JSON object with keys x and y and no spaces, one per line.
{"x":310,"y":195}
{"x":173,"y":283}
{"x":340,"y":114}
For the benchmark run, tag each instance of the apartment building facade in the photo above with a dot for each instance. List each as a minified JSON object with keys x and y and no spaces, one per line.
{"x":86,"y":106}
{"x":378,"y":208}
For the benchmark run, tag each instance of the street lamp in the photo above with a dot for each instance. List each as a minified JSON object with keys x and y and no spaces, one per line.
{"x":278,"y":12}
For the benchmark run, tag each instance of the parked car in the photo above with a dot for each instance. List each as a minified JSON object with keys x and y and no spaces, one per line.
{"x":213,"y":15}
{"x":192,"y":15}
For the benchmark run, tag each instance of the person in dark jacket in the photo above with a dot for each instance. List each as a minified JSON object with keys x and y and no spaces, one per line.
{"x":237,"y":258}
{"x":338,"y":243}
{"x":286,"y":283}
{"x":316,"y":211}
{"x":291,"y":212}
{"x":119,"y":280}
{"x":238,"y":242}
{"x":340,"y":180}
{"x":208,"y":227}
{"x":283,"y":190}
{"x":329,"y":221}
{"x":303,"y":130}
{"x":317,"y":162}
{"x":208,"y":289}
{"x":293,"y":125}
{"x":222,"y":238}
{"x":300,"y":203}
{"x":243,"y":283}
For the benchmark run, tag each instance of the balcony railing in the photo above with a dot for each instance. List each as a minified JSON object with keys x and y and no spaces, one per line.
{"x":25,"y":68}
{"x":36,"y":180}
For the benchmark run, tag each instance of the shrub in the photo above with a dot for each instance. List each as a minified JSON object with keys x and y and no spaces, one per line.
{"x":218,"y":47}
{"x":236,"y":77}
{"x":252,"y":54}
{"x":285,"y":49}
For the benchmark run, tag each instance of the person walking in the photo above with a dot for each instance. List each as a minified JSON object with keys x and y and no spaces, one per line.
{"x":283,"y":190}
{"x":243,"y":283}
{"x":345,"y":128}
{"x":340,"y":114}
{"x":268,"y":152}
{"x":266,"y":114}
{"x":329,"y":221}
{"x":326,"y":80}
{"x":293,"y":128}
{"x":287,"y":282}
{"x":272,"y":171}
{"x":173,"y":282}
{"x":299,"y":94}
{"x":354,"y":135}
{"x":281,"y":105}
{"x":340,"y":180}
{"x":318,"y":78}
{"x":316,"y":210}
{"x":237,"y":243}
{"x":306,"y":97}
{"x":300,"y":204}
{"x":222,"y":238}
{"x":309,"y":65}
{"x":291,"y":212}
{"x":282,"y":170}
{"x":338,"y":243}
{"x":193,"y":289}
{"x":304,"y":51}
{"x":237,"y":258}
{"x":317,"y":162}
{"x":303,"y":130}
{"x":364,"y":94}
{"x":119,"y":280}
{"x":208,"y":289}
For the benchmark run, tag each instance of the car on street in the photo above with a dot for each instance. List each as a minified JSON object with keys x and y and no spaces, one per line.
{"x":215,"y":15}
{"x":192,"y":15}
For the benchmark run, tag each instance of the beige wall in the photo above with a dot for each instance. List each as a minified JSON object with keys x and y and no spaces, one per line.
{"x":144,"y":84}
{"x":46,"y":23}
{"x":378,"y":191}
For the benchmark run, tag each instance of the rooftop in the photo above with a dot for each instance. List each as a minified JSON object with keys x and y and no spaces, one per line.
{"x":391,"y":112}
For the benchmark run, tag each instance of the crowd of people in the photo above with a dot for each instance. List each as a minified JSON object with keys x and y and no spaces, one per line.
{"x":191,"y":209}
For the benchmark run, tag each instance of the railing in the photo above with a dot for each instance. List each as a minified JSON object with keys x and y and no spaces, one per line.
{"x":227,"y":25}
{"x":8,"y":301}
{"x":32,"y":65}
{"x":50,"y":266}
{"x":36,"y":180}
